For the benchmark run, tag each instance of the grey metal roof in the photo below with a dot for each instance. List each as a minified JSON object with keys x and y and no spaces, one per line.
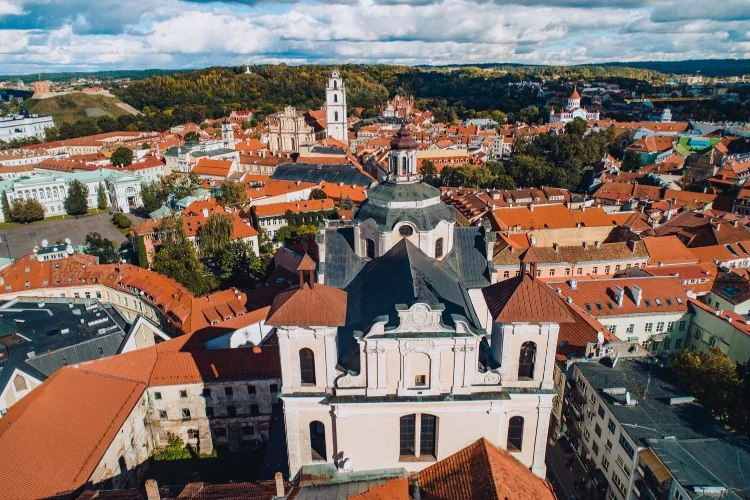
{"x":51,"y":332}
{"x":468,"y":257}
{"x":425,"y":219}
{"x":404,"y":275}
{"x":652,"y":417}
{"x":341,"y":262}
{"x":417,"y":191}
{"x":696,"y":463}
{"x":311,"y":172}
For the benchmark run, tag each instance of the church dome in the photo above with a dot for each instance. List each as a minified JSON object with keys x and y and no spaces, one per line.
{"x":403,"y":140}
{"x":575,"y":94}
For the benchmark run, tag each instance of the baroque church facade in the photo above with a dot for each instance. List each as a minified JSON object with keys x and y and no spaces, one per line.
{"x":398,"y":349}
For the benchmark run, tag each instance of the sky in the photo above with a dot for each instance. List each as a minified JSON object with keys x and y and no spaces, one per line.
{"x":89,"y":35}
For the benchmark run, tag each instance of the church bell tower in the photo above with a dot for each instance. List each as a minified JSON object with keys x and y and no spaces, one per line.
{"x":336,"y":108}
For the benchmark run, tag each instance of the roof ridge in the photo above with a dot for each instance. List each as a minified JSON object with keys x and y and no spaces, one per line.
{"x":484,"y":446}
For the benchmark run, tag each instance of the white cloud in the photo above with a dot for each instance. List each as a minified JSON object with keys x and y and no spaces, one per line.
{"x":174,"y":33}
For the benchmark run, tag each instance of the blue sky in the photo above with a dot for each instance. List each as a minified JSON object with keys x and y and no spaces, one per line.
{"x":72,"y":35}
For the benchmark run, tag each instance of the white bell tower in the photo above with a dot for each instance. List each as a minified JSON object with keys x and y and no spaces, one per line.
{"x":227,"y":135}
{"x":336,"y":108}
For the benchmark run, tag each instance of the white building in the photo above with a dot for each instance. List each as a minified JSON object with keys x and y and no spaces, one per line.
{"x":402,"y":352}
{"x":336,"y":125}
{"x":572,"y":111}
{"x":20,"y":127}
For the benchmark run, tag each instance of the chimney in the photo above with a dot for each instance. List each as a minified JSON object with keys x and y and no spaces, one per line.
{"x":631,"y":245}
{"x":279,"y":479}
{"x":152,"y":490}
{"x":597,"y":244}
{"x":619,"y":295}
{"x":205,"y":212}
{"x":573,"y":284}
{"x":735,"y":223}
{"x":585,"y":245}
{"x":637,"y":294}
{"x":531,"y":207}
{"x":556,"y":247}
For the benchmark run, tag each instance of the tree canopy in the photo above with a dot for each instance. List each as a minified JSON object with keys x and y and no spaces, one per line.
{"x":26,"y":211}
{"x":122,"y":157}
{"x":77,"y":202}
{"x":232,"y":192}
{"x":101,"y":197}
{"x":103,"y":248}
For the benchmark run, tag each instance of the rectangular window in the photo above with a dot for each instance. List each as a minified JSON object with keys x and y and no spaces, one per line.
{"x":186,"y":413}
{"x":228,"y":391}
{"x":659,"y":327}
{"x":649,"y":327}
{"x":209,"y":411}
{"x":551,"y":272}
{"x":670,"y":326}
{"x":605,"y":463}
{"x":612,"y":328}
{"x":183,"y":394}
{"x":427,"y":435}
{"x":595,"y":448}
{"x":586,"y":434}
{"x":192,"y":434}
{"x":601,"y":411}
{"x":273,"y":388}
{"x":157,"y":395}
{"x":682,"y":325}
{"x":408,"y":436}
{"x":595,"y":270}
{"x":251,"y":390}
{"x":606,"y":269}
{"x":420,"y":380}
{"x":598,"y":430}
{"x":579,"y":271}
{"x":506,"y":274}
{"x":678,"y":343}
{"x":619,"y":461}
{"x":206,"y":392}
{"x":631,"y":328}
{"x":163,"y":414}
{"x":611,"y":426}
{"x":626,"y":446}
{"x":231,"y":411}
{"x":608,"y":445}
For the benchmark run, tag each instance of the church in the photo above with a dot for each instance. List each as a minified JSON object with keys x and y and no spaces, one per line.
{"x":572,"y":111}
{"x":398,"y":349}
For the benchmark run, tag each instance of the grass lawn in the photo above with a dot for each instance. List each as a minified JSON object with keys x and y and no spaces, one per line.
{"x":91,"y":211}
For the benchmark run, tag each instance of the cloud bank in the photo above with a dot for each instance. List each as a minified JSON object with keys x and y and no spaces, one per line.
{"x":72,"y":35}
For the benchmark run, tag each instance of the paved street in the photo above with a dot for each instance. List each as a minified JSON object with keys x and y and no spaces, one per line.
{"x":566,"y":472}
{"x":22,"y":239}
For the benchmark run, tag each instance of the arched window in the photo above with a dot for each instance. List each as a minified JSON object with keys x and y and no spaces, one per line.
{"x":317,"y":440}
{"x":370,"y":248}
{"x":20,"y":383}
{"x":335,"y":98}
{"x":439,"y":248}
{"x":406,"y":230}
{"x":335,"y":116}
{"x":515,"y":434}
{"x":307,"y":366}
{"x":526,"y":360}
{"x":335,"y":84}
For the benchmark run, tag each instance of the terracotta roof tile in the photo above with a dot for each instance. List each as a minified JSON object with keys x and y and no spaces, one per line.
{"x":306,"y":305}
{"x":481,"y":471}
{"x":524,"y":300}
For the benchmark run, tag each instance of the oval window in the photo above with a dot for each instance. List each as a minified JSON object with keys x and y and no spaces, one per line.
{"x":405,"y":230}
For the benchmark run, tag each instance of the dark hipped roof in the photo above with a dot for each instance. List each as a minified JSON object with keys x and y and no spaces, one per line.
{"x":468,"y":257}
{"x":341,"y":262}
{"x":405,"y":275}
{"x":310,"y":172}
{"x":424,"y":218}
{"x":525,"y":300}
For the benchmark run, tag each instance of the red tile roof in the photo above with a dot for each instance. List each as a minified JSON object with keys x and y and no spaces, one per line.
{"x":207,"y":166}
{"x":524,"y":300}
{"x":481,"y":471}
{"x":316,"y":305}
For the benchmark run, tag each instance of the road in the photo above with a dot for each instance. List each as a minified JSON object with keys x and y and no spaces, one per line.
{"x":22,"y":239}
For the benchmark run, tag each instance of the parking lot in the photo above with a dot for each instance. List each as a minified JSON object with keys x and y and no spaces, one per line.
{"x":22,"y":239}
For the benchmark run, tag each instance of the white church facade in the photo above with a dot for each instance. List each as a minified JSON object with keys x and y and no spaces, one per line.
{"x":400,"y":351}
{"x":572,"y":111}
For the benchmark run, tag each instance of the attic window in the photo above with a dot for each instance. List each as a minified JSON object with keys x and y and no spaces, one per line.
{"x":658,"y":302}
{"x":648,"y":303}
{"x":588,"y":306}
{"x":730,"y":291}
{"x":669,"y":301}
{"x":599,"y":306}
{"x":679,"y":300}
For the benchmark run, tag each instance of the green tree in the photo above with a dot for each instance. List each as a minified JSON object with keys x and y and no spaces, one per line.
{"x":577,"y":127}
{"x":192,"y":137}
{"x":180,"y":185}
{"x":712,"y":378}
{"x":103,"y":248}
{"x":154,"y":195}
{"x":236,"y":262}
{"x":142,"y":253}
{"x":232,"y":192}
{"x":429,"y":173}
{"x":77,"y":202}
{"x":318,"y":194}
{"x":347,"y":203}
{"x":631,"y":161}
{"x":215,"y":234}
{"x":25,"y":211}
{"x":101,"y":197}
{"x":6,"y":207}
{"x":121,"y":220}
{"x":122,"y":157}
{"x":176,"y":258}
